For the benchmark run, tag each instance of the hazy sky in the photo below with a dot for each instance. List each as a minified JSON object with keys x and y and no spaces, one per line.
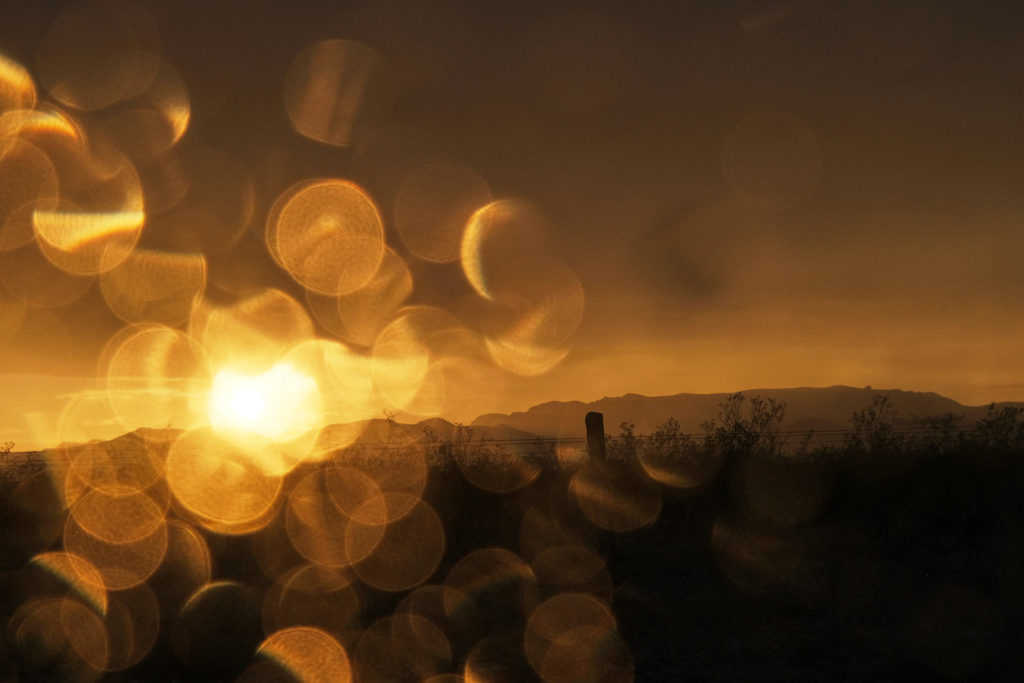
{"x":752,"y":194}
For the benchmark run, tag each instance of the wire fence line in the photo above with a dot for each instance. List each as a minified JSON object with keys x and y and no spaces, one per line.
{"x":525,"y":446}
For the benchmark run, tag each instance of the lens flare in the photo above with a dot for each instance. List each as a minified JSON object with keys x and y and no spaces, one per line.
{"x":17,"y":90}
{"x":324,"y":89}
{"x":280,"y":404}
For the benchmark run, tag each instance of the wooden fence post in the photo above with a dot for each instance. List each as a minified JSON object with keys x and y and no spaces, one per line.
{"x":595,"y":436}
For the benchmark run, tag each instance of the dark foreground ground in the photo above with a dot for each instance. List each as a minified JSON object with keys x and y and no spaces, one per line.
{"x":885,"y":568}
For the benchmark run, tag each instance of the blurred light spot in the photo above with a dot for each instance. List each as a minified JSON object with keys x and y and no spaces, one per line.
{"x":524,"y":359}
{"x":122,"y":565}
{"x":156,"y":120}
{"x":127,"y":465}
{"x":425,"y":361}
{"x":185,"y":567}
{"x":472,"y":383}
{"x":497,"y":657}
{"x":117,"y":519}
{"x":275,"y":556}
{"x":97,"y":54}
{"x":555,"y":522}
{"x":319,"y":527}
{"x":408,"y":552}
{"x":359,"y":497}
{"x":358,"y":317}
{"x":587,"y":653}
{"x":170,"y":97}
{"x":433,"y":207}
{"x":328,"y":235}
{"x":757,"y":562}
{"x":153,"y":286}
{"x":533,"y":303}
{"x":132,"y":624}
{"x":499,"y":239}
{"x":346,"y":389}
{"x":99,"y":218}
{"x":313,"y":595}
{"x":324,"y":89}
{"x":400,"y":467}
{"x":492,"y":469}
{"x":17,"y":90}
{"x":68,"y":230}
{"x":79,"y":575}
{"x":401,"y":647}
{"x":30,"y":277}
{"x":27,"y":179}
{"x":60,"y":639}
{"x":573,"y":569}
{"x":220,"y":482}
{"x":165,"y":182}
{"x":252,"y":334}
{"x":678,"y":467}
{"x":216,"y":631}
{"x":404,"y":370}
{"x":309,"y":654}
{"x":123,"y":466}
{"x":502,"y":587}
{"x":573,"y":637}
{"x":154,"y":378}
{"x":445,"y":608}
{"x":86,"y":416}
{"x":37,"y":510}
{"x":614,"y":497}
{"x":213,"y":201}
{"x":49,"y":129}
{"x":421,"y":642}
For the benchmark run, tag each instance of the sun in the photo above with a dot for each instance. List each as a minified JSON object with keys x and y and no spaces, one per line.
{"x":280,"y":404}
{"x":246,"y":403}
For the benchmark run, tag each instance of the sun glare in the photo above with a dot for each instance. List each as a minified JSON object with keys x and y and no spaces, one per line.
{"x":280,"y":404}
{"x":247,"y":404}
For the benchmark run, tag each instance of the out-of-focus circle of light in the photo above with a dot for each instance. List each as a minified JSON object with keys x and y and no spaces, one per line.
{"x":324,"y":88}
{"x":328,"y":235}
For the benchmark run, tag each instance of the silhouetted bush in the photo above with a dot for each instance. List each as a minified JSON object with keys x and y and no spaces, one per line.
{"x":752,"y":427}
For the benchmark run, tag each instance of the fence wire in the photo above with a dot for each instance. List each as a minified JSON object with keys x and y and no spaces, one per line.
{"x":531,"y":446}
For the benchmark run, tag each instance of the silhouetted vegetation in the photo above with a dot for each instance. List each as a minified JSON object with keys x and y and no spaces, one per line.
{"x":894,"y":550}
{"x":753,"y":427}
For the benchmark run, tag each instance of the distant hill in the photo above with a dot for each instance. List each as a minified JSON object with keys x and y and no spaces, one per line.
{"x":364,"y":434}
{"x":806,"y":408}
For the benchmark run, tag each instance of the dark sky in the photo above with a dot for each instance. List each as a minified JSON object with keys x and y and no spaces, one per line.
{"x":752,"y":194}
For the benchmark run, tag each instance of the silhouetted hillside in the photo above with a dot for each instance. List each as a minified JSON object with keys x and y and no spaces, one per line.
{"x":806,"y":408}
{"x":888,"y":556}
{"x":364,"y":434}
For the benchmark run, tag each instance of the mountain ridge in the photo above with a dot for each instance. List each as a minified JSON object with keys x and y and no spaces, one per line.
{"x":806,"y":408}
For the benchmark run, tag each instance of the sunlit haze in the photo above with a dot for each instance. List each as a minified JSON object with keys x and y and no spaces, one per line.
{"x":457,"y":341}
{"x":277,"y":404}
{"x":476,"y":210}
